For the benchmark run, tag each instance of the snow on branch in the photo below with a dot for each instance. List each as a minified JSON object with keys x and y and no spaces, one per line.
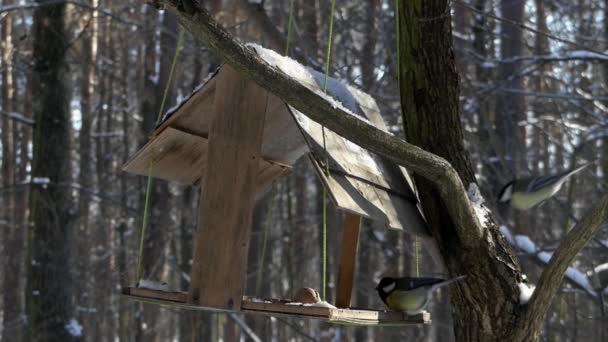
{"x":577,"y":55}
{"x":526,"y":245}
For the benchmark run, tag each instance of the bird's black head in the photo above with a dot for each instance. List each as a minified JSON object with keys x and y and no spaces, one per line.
{"x":386,"y":285}
{"x":504,"y":196}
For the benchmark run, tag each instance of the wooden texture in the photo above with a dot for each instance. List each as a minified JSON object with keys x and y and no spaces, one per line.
{"x":336,"y":315}
{"x":182,"y":157}
{"x":222,"y":238}
{"x":195,"y":113}
{"x":178,"y":297}
{"x":348,"y":260}
{"x":366,"y":199}
{"x":361,"y":181}
{"x":278,"y":307}
{"x":282,"y":140}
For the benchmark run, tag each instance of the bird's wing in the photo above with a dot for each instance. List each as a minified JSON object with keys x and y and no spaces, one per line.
{"x":543,"y":181}
{"x":540,"y":182}
{"x":409,"y":283}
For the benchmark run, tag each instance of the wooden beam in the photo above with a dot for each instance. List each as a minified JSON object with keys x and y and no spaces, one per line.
{"x":178,"y":297}
{"x":222,"y":238}
{"x":182,"y":157}
{"x":348,"y":260}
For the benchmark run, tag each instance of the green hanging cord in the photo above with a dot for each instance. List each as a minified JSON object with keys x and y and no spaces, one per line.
{"x":178,"y":47}
{"x":417,"y":255}
{"x":273,"y":191}
{"x":289,"y":25}
{"x":328,"y":57}
{"x":273,"y":195}
{"x":327,"y":60}
{"x":398,"y":37}
{"x":144,"y":224}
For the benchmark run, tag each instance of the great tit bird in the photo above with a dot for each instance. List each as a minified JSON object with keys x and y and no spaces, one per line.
{"x":527,"y":192}
{"x":410,"y":295}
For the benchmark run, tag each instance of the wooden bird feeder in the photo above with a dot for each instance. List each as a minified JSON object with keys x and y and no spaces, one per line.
{"x":232,"y":138}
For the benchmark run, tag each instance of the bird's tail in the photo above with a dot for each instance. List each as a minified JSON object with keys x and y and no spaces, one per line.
{"x":447,"y":282}
{"x":577,"y":169}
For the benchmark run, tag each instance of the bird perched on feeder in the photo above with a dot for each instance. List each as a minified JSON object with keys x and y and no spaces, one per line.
{"x":527,"y":192}
{"x":410,"y":295}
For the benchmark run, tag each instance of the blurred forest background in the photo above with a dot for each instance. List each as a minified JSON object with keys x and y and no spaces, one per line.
{"x":81,"y":86}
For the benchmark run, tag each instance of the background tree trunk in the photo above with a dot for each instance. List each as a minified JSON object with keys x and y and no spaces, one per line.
{"x":429,"y":101}
{"x":12,"y":214}
{"x":48,"y":294}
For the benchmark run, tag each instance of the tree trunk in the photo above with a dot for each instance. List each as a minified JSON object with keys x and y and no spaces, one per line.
{"x":483,"y":306}
{"x":11,"y":216}
{"x":310,"y":17}
{"x":89,"y":63}
{"x":511,"y":109}
{"x":85,"y":171}
{"x":48,"y":292}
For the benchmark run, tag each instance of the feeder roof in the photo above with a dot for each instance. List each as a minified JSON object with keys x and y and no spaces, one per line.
{"x":359,"y":181}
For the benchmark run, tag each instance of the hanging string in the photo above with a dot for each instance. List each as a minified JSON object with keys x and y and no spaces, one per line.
{"x":273,"y":192}
{"x":180,"y":41}
{"x":144,"y":224}
{"x":260,"y":277}
{"x":398,"y":37}
{"x":327,"y":60}
{"x":417,"y":254}
{"x":289,"y":25}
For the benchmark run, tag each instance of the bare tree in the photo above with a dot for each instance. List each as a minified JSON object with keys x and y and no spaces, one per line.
{"x":49,"y":306}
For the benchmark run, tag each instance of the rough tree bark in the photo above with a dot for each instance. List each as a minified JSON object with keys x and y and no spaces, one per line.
{"x":48,"y":278}
{"x":511,"y":109}
{"x":486,"y":305}
{"x":429,"y":99}
{"x":11,"y":225}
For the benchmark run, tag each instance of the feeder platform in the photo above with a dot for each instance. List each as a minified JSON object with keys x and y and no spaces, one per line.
{"x":281,"y":307}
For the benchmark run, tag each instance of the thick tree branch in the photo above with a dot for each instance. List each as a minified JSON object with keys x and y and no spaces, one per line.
{"x":551,"y":278}
{"x":434,"y":168}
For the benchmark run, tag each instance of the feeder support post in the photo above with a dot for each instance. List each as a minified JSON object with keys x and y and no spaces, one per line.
{"x":348,"y":259}
{"x":228,"y":189}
